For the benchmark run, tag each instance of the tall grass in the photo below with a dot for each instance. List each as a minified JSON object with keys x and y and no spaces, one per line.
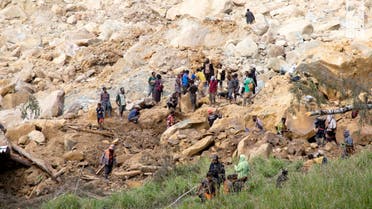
{"x":338,"y":184}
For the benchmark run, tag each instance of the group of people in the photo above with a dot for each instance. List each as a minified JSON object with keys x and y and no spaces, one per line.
{"x":326,"y":132}
{"x":104,"y":107}
{"x":210,"y":186}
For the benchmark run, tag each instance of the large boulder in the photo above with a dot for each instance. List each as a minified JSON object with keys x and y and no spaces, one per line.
{"x":293,"y":29}
{"x":189,"y":34}
{"x":12,"y":12}
{"x":6,"y":86}
{"x":260,"y":25}
{"x":188,"y":123}
{"x":37,"y":136}
{"x":199,"y":146}
{"x":51,"y":103}
{"x":185,"y":103}
{"x":199,"y":8}
{"x":301,"y":125}
{"x":15,"y":99}
{"x":246,"y":48}
{"x":252,"y":150}
{"x":11,"y":117}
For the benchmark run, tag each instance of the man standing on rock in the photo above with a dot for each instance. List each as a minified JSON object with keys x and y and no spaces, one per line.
{"x":249,"y":17}
{"x":151,"y":82}
{"x":348,"y":146}
{"x":208,"y":69}
{"x":212,"y":116}
{"x":331,"y":129}
{"x":253,"y":75}
{"x":217,"y":170}
{"x":108,"y":160}
{"x":105,"y":102}
{"x":185,"y":81}
{"x":193,"y":89}
{"x":258,"y":125}
{"x":121,"y":102}
{"x":100,"y":116}
{"x":213,"y":85}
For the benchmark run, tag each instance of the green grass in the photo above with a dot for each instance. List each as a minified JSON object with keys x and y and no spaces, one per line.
{"x":339,"y":184}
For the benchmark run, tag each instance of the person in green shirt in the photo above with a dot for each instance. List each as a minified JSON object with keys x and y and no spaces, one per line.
{"x":248,"y":85}
{"x":242,"y":168}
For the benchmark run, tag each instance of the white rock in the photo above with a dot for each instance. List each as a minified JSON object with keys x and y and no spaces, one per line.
{"x":71,"y":20}
{"x":51,"y":103}
{"x":37,"y":136}
{"x":246,"y":48}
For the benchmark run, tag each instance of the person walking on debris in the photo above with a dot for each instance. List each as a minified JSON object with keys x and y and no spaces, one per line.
{"x":158,"y":89}
{"x":248,"y":89}
{"x":193,"y":89}
{"x":203,"y":81}
{"x":249,"y":17}
{"x":213,"y":85}
{"x":236,"y":86}
{"x":253,"y":75}
{"x":281,"y":128}
{"x":331,"y":129}
{"x":151,"y":82}
{"x":208,"y":69}
{"x":172,"y":101}
{"x":185,"y":81}
{"x":121,"y":102}
{"x":348,"y":145}
{"x":134,"y":115}
{"x":221,"y":76}
{"x":105,"y":102}
{"x":170,"y":119}
{"x":258,"y":125}
{"x":108,"y":160}
{"x":207,"y":188}
{"x":212,"y":116}
{"x":283,"y":177}
{"x":320,"y":130}
{"x":243,"y":167}
{"x":217,"y":170}
{"x":100,"y":116}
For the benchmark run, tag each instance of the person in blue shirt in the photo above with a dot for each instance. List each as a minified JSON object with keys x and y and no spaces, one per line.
{"x":185,"y":81}
{"x":134,"y":115}
{"x":348,"y":145}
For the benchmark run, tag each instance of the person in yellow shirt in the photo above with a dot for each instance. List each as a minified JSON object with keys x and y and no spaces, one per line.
{"x":203,"y":81}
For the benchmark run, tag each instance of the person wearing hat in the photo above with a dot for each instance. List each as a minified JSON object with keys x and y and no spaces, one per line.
{"x":108,"y":160}
{"x":213,"y":84}
{"x":212,"y":116}
{"x":349,"y":145}
{"x":217,"y":170}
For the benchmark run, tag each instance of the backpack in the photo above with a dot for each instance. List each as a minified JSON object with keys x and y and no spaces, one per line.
{"x":251,"y":86}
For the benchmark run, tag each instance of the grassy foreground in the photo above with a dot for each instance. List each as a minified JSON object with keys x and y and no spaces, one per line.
{"x":339,"y":184}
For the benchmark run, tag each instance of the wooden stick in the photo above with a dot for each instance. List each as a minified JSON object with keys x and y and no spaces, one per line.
{"x":100,"y":170}
{"x":180,"y":197}
{"x":106,"y":134}
{"x":39,"y":162}
{"x":21,"y":160}
{"x":339,"y":110}
{"x":128,"y":174}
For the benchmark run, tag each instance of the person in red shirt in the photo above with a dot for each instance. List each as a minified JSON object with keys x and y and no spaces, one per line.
{"x":213,"y":84}
{"x":170,"y":119}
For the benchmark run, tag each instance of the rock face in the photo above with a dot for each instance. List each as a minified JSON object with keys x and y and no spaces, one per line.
{"x":198,"y":146}
{"x":37,"y":136}
{"x":189,"y":123}
{"x":51,"y":104}
{"x":246,"y":48}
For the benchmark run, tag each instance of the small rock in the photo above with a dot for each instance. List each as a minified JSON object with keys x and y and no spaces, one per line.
{"x":37,"y":136}
{"x":71,"y":20}
{"x":23,"y":140}
{"x":313,"y":145}
{"x":74,"y":156}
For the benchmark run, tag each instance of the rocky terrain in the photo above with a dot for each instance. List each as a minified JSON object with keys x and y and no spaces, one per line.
{"x":62,"y":52}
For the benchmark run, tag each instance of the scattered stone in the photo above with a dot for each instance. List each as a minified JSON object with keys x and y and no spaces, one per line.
{"x":73,"y":156}
{"x":37,"y":136}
